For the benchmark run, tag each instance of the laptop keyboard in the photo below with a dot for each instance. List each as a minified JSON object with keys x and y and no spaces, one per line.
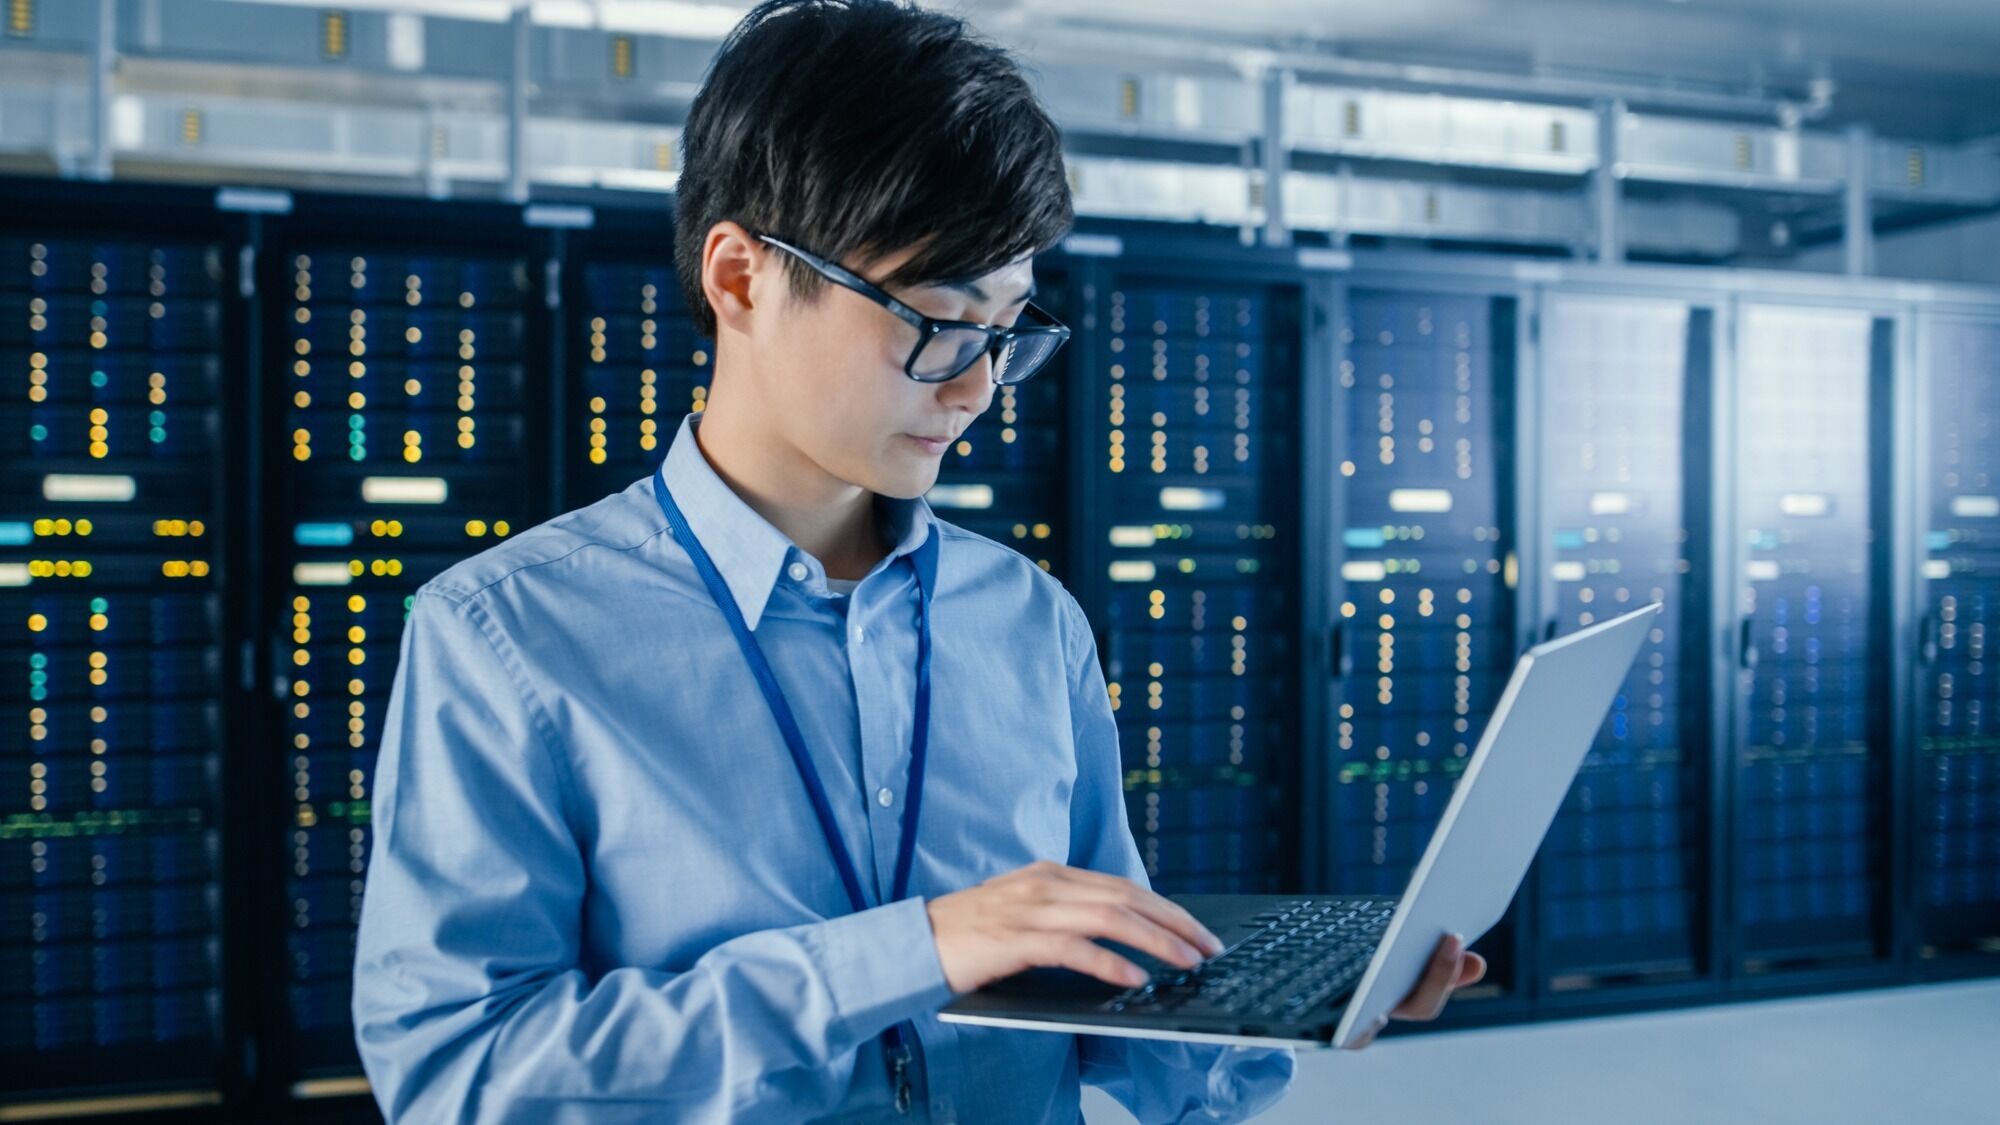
{"x":1307,"y":953}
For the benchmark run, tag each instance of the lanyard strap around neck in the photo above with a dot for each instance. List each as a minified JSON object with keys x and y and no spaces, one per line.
{"x":781,"y":710}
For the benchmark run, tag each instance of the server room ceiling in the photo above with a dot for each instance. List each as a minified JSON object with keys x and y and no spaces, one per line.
{"x":1921,"y":69}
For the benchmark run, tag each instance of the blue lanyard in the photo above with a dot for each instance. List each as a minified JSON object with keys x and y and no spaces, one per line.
{"x":788,"y":726}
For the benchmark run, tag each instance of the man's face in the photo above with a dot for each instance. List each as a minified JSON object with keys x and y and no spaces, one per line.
{"x":846,"y":403}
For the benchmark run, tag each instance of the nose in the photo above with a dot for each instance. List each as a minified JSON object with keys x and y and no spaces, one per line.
{"x":971,"y":389}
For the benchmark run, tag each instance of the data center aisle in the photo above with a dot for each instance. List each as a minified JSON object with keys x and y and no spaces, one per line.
{"x":1920,"y":1054}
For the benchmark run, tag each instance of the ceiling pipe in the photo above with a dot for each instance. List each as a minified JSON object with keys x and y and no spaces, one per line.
{"x":1094,"y":44}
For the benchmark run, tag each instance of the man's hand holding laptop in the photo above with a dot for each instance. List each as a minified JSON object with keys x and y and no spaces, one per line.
{"x":1045,"y":915}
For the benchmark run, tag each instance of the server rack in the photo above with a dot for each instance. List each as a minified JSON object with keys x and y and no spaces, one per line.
{"x":1811,"y":745}
{"x":1955,"y":880}
{"x":1421,"y":561}
{"x":1622,"y":520}
{"x":1185,"y":504}
{"x":632,"y":365}
{"x":395,"y":394}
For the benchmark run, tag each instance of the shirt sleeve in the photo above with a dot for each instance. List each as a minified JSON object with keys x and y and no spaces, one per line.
{"x":469,"y":1000}
{"x":1157,"y":1080}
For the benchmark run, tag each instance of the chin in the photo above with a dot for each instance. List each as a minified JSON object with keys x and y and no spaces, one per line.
{"x":904,"y":482}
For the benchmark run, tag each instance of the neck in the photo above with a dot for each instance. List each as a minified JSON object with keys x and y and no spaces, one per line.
{"x":827,"y":517}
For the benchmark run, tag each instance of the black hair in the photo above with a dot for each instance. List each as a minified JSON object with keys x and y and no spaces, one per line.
{"x":867,"y":126}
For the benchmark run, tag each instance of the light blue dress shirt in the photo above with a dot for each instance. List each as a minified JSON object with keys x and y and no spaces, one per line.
{"x":597,"y":891}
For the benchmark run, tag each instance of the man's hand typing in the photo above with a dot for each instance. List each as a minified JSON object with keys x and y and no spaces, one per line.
{"x":1045,"y":914}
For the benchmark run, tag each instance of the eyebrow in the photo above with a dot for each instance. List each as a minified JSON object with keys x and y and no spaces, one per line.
{"x":972,"y":289}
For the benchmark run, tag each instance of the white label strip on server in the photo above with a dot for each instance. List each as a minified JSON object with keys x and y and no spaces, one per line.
{"x":1806,"y":504}
{"x":1975,"y":507}
{"x":1129,"y":571}
{"x":404,"y":490}
{"x":965,"y":497}
{"x":1611,"y":503}
{"x":1363,"y":571}
{"x":321,"y":574}
{"x":14,"y":574}
{"x":1419,"y":500}
{"x":1134,"y":535}
{"x":1761,"y":570}
{"x":1192,"y":499}
{"x":100,"y":487}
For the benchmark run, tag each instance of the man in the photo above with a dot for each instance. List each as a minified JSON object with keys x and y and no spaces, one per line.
{"x":697,"y":803}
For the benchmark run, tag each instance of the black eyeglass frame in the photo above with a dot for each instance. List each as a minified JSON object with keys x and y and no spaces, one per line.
{"x":997,"y":336}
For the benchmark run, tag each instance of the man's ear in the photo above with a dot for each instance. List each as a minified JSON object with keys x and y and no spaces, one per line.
{"x":731,"y":261}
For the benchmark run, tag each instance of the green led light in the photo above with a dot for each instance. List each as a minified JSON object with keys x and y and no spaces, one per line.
{"x":99,"y":379}
{"x":38,"y":432}
{"x":99,"y":605}
{"x":157,"y":417}
{"x":357,"y":453}
{"x":159,"y":434}
{"x":39,"y":660}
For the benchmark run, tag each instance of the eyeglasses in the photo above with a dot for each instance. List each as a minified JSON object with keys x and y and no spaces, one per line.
{"x":945,"y":349}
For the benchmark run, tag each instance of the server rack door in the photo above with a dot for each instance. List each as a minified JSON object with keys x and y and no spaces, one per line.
{"x":1423,"y":642}
{"x":400,"y":389}
{"x":639,"y":369}
{"x":1197,"y":481}
{"x":111,"y":659}
{"x":1810,"y":758}
{"x":1957,"y":819}
{"x":1623,"y":868}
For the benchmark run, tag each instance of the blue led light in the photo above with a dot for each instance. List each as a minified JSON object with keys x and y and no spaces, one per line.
{"x":323,"y":534}
{"x":1362,"y":537}
{"x":38,"y":432}
{"x":99,"y":379}
{"x":99,"y":605}
{"x":15,"y":533}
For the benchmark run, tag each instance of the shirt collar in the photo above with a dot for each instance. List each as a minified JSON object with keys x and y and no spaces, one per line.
{"x":753,"y":555}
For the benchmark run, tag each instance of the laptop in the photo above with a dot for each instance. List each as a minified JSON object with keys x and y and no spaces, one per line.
{"x":1318,"y":970}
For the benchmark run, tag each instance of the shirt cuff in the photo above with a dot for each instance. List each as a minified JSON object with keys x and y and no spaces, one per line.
{"x":882,"y":965}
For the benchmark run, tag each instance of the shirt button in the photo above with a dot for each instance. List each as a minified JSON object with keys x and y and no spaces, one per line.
{"x":884,"y":798}
{"x":860,"y":634}
{"x":798,"y":572}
